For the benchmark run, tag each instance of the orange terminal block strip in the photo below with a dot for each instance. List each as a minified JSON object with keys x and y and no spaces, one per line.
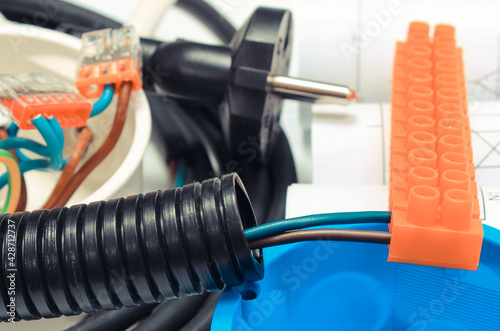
{"x":433,"y":192}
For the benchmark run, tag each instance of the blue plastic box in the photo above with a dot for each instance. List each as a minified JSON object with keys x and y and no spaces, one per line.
{"x":351,"y":286}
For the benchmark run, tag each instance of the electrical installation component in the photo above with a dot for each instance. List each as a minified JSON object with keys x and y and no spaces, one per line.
{"x":277,"y":227}
{"x":109,"y":56}
{"x":129,"y":251}
{"x":14,"y":181}
{"x":247,"y":79}
{"x":50,"y":128}
{"x":76,"y":156}
{"x":61,"y":197}
{"x":433,"y":193}
{"x":74,"y":20}
{"x":28,"y":95}
{"x":110,"y":63}
{"x":339,"y":285}
{"x":52,"y":133}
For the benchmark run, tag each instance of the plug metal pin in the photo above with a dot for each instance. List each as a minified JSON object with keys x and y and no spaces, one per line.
{"x":311,"y":91}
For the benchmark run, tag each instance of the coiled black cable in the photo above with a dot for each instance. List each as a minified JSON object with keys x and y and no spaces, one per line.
{"x":120,"y":319}
{"x":210,"y":17}
{"x":129,"y":251}
{"x":164,"y":315}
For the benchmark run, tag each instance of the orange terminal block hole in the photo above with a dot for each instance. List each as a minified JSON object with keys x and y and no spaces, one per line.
{"x":433,"y":192}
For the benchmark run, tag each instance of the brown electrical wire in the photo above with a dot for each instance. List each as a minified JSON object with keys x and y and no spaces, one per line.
{"x":322,"y":234}
{"x":76,"y":156}
{"x":104,"y":150}
{"x":23,"y":198}
{"x":172,"y":170}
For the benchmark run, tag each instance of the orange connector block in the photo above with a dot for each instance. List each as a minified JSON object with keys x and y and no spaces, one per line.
{"x":28,"y":95}
{"x":433,"y":192}
{"x":109,"y":57}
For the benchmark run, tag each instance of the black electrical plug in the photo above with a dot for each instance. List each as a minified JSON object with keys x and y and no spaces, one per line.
{"x":246,"y":79}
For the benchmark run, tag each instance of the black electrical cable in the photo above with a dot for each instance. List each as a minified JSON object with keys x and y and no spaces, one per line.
{"x":379,"y":237}
{"x":210,"y":150}
{"x":69,"y":18}
{"x":172,"y":315}
{"x":203,"y":319}
{"x":212,"y":19}
{"x":177,"y":135}
{"x":185,"y":138}
{"x":261,"y":179}
{"x":50,"y":14}
{"x":283,"y":174}
{"x":114,"y":320}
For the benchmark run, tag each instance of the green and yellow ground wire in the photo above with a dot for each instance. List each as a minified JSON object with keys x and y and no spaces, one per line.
{"x":14,"y":181}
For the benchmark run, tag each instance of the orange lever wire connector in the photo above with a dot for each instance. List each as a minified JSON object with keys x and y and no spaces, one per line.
{"x":433,"y":192}
{"x":27,"y":95}
{"x":109,"y":57}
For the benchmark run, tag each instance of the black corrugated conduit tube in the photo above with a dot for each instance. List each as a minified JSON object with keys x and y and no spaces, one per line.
{"x":126,"y":252}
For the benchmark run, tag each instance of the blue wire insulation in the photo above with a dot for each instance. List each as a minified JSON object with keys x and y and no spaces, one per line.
{"x":12,"y":130}
{"x":56,"y":127}
{"x":180,"y":179}
{"x":281,"y":226}
{"x":19,"y":142}
{"x":50,"y":137}
{"x":25,"y":167}
{"x":104,"y":101}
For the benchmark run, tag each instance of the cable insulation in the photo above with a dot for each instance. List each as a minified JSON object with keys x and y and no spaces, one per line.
{"x":21,"y":205}
{"x":12,"y":131}
{"x":208,"y":146}
{"x":51,"y":139}
{"x":114,"y":320}
{"x":210,"y":17}
{"x":104,"y":149}
{"x":203,"y":319}
{"x":56,"y":127}
{"x":276,"y":227}
{"x":14,"y":180}
{"x":25,"y":167}
{"x":76,"y":155}
{"x":180,"y":178}
{"x":24,"y":143}
{"x":378,"y":237}
{"x":106,"y":97}
{"x":173,"y":315}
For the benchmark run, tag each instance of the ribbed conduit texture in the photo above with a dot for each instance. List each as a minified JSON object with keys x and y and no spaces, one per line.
{"x":127,"y":251}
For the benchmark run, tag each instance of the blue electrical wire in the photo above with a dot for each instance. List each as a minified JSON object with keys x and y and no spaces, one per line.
{"x":281,"y":226}
{"x":56,"y":127}
{"x":104,"y":101}
{"x":12,"y":130}
{"x":19,"y":142}
{"x":51,"y":132}
{"x":52,"y":141}
{"x":180,"y":179}
{"x":25,"y":167}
